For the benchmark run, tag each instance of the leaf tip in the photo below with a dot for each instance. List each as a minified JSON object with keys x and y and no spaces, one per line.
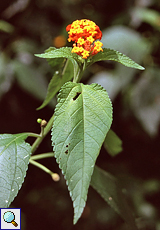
{"x":141,"y":67}
{"x":77,"y":215}
{"x":40,"y":107}
{"x":39,"y":55}
{"x":78,"y":211}
{"x":75,"y":221}
{"x":36,"y":55}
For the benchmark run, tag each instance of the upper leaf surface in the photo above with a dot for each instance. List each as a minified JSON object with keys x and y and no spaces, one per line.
{"x":113,"y":55}
{"x":52,"y":52}
{"x":107,"y":186}
{"x":83,"y":117}
{"x":14,"y":159}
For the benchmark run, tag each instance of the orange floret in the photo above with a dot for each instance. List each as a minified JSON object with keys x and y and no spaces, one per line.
{"x":84,"y":33}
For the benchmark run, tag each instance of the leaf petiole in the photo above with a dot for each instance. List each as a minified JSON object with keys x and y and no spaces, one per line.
{"x":42,"y":156}
{"x":44,"y":168}
{"x":80,"y":72}
{"x":54,"y":176}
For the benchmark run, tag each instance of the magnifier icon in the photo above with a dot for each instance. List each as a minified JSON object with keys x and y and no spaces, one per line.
{"x":9,"y":217}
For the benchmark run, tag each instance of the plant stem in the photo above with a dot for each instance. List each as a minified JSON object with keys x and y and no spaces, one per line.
{"x":44,"y":133}
{"x":41,"y":156}
{"x":40,"y":166}
{"x":65,"y":67}
{"x":79,"y":72}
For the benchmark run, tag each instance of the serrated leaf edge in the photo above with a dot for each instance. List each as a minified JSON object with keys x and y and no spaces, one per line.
{"x":95,"y":87}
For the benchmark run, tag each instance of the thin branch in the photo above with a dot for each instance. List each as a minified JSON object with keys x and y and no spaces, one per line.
{"x":44,"y":133}
{"x":41,"y":166}
{"x":42,"y":156}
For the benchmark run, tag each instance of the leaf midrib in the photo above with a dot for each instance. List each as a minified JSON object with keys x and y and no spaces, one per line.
{"x":83,"y":172}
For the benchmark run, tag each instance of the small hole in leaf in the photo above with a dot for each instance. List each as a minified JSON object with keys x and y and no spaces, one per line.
{"x":76,"y":96}
{"x":66,"y":152}
{"x":66,"y":146}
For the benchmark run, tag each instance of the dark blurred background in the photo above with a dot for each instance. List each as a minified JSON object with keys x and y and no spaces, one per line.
{"x":132,"y":27}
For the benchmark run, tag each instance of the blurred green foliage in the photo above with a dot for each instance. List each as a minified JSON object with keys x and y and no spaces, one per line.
{"x":131,"y":27}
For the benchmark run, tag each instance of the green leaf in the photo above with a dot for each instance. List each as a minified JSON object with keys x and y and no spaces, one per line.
{"x":148,"y":16}
{"x":107,"y":186}
{"x":30,"y":79}
{"x":64,"y":52}
{"x":83,"y":117}
{"x":52,"y":52}
{"x":113,"y":143}
{"x":113,"y":55}
{"x":6,"y":27}
{"x":59,"y":78}
{"x":145,"y":106}
{"x":14,"y":159}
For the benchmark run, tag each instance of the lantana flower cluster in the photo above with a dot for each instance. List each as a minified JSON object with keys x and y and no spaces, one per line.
{"x":84,"y":34}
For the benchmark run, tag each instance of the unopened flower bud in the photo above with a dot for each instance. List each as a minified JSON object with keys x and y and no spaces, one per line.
{"x":55,"y":177}
{"x":39,"y":120}
{"x":43,"y":123}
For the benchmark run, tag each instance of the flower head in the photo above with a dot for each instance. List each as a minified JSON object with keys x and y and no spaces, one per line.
{"x":84,"y":33}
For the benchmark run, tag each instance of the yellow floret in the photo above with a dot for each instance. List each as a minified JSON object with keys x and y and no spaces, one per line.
{"x":98,"y":43}
{"x":81,"y":41}
{"x":98,"y":46}
{"x":85,"y":54}
{"x":77,"y":49}
{"x":69,"y":39}
{"x":88,"y":28}
{"x":90,"y":39}
{"x":93,"y":32}
{"x":78,"y":30}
